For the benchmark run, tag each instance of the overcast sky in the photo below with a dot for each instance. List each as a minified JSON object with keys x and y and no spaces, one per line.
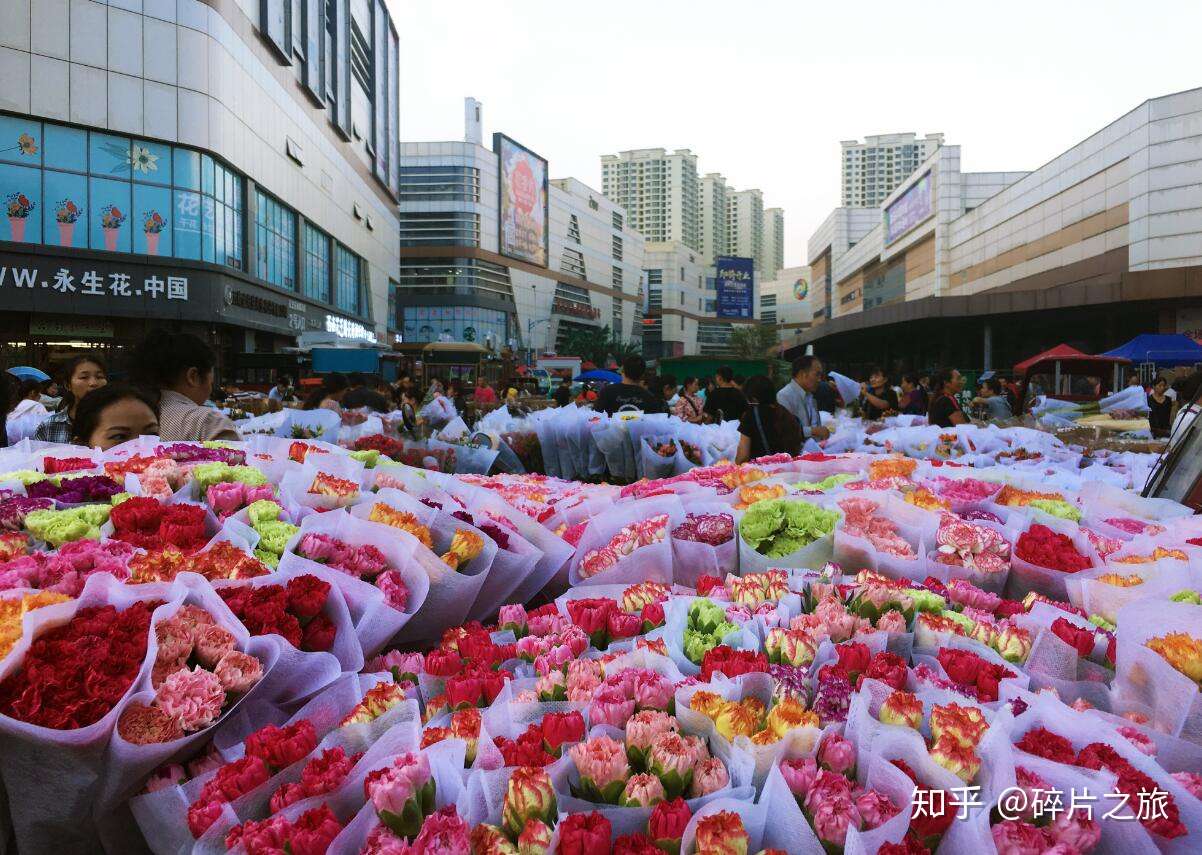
{"x":763,"y":90}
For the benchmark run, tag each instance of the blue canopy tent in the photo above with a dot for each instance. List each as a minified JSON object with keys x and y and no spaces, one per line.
{"x":1167,"y":351}
{"x":600,"y":374}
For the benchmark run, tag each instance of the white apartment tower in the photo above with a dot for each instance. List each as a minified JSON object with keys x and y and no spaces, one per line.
{"x":713,"y":216}
{"x":874,"y":168}
{"x":745,"y":224}
{"x":774,"y":243}
{"x":660,"y":192}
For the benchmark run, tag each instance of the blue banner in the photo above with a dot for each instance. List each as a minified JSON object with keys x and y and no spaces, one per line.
{"x":736,"y":287}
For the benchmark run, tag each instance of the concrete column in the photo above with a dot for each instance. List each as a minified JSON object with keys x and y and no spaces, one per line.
{"x":988,"y":342}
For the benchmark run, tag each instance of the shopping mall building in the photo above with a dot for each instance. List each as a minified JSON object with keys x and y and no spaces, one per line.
{"x":983,"y":269}
{"x":494,"y":251}
{"x":223,"y":167}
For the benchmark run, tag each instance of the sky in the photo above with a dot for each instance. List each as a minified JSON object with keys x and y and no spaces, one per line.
{"x":763,"y":91}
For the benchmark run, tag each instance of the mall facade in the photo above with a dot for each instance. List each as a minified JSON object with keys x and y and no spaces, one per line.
{"x":980,"y":270}
{"x":224,"y":167}
{"x":495,"y":252}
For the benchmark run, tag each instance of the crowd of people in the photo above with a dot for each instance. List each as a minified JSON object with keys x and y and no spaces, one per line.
{"x":171,"y":392}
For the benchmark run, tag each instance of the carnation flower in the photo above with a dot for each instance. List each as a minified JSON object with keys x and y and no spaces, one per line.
{"x":238,"y":672}
{"x":193,"y":698}
{"x":145,"y":725}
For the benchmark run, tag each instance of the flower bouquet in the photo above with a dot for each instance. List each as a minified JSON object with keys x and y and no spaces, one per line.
{"x":785,"y":533}
{"x":703,"y":543}
{"x":1045,"y":555}
{"x":628,"y":543}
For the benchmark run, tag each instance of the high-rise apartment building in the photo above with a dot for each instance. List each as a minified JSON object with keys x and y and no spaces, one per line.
{"x":660,"y":192}
{"x":874,"y":168}
{"x":713,"y":216}
{"x":745,"y":224}
{"x":774,"y":243}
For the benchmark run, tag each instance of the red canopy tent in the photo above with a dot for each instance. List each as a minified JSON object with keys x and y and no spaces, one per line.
{"x":1065,"y":360}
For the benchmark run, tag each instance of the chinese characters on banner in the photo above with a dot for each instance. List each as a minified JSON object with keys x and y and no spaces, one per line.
{"x":89,"y":283}
{"x":736,"y":286}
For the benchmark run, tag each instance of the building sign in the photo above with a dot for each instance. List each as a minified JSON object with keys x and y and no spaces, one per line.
{"x":910,"y":208}
{"x":52,"y":328}
{"x":346,"y":328}
{"x":801,"y":288}
{"x":62,"y":283}
{"x":523,"y":201}
{"x":560,"y":306}
{"x":736,"y":286}
{"x":56,"y":289}
{"x":1189,"y":322}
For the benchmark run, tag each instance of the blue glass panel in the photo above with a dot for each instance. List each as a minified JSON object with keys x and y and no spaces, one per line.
{"x":206,"y":174}
{"x":66,"y":148}
{"x":207,"y":242}
{"x":21,"y":195}
{"x":108,"y":155}
{"x":152,"y":226}
{"x":151,"y":162}
{"x":187,"y":224}
{"x":108,"y":205}
{"x":20,"y":140}
{"x":187,"y":169}
{"x":65,"y":214}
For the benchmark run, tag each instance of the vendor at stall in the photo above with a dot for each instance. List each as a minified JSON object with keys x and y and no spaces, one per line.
{"x":877,"y":398}
{"x":797,"y":396}
{"x":766,"y":427}
{"x":944,"y":410}
{"x":991,"y":401}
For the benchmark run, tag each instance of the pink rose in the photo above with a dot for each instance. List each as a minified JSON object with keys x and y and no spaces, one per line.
{"x":837,"y":754}
{"x":832,"y":817}
{"x":709,"y":776}
{"x":799,"y":775}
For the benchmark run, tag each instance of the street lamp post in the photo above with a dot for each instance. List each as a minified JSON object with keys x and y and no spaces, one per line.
{"x":530,"y":325}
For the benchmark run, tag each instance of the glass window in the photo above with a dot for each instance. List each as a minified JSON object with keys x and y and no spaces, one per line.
{"x":75,"y":188}
{"x":347,"y":273}
{"x":316,"y":265}
{"x":275,"y":242}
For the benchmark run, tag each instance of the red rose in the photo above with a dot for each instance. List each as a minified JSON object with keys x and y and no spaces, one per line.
{"x":623,"y":625}
{"x":1044,"y":743}
{"x":584,"y":834}
{"x":732,"y":663}
{"x":854,"y":657}
{"x":1082,"y":640}
{"x":319,"y":635}
{"x":282,"y":746}
{"x":491,"y":683}
{"x":561,"y":728}
{"x":668,"y":820}
{"x":307,"y":596}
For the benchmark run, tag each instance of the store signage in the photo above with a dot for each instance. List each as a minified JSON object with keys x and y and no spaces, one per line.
{"x":560,"y":306}
{"x":255,"y":303}
{"x":801,"y":289}
{"x":67,"y":282}
{"x":735,"y":286}
{"x":346,"y":328}
{"x":55,"y":329}
{"x":910,"y":208}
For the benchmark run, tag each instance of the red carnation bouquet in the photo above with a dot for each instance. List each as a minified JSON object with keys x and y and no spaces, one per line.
{"x":1043,"y":547}
{"x":294,"y":611}
{"x":152,"y":525}
{"x":973,"y":674}
{"x":75,"y":673}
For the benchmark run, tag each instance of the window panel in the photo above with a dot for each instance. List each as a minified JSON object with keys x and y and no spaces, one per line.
{"x":275,"y":242}
{"x":20,"y":140}
{"x":108,"y":155}
{"x":109,"y":203}
{"x":21,"y":190}
{"x":65,"y":148}
{"x":152,"y":226}
{"x":65,"y":211}
{"x":317,"y":265}
{"x":151,"y":162}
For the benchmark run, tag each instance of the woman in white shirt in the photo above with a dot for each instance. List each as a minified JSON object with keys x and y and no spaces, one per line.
{"x":28,"y":403}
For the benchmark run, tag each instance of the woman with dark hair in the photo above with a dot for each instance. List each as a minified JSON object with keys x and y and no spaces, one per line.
{"x":913,"y":400}
{"x":112,"y":415}
{"x":766,"y":427}
{"x":944,"y":409}
{"x":328,"y":396}
{"x":180,"y":367}
{"x":689,"y":408}
{"x":80,"y":376}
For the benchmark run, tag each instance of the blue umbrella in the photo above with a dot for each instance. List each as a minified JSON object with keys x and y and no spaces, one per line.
{"x":28,"y":372}
{"x":601,"y":374}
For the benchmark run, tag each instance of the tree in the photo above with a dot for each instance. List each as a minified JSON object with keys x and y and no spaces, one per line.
{"x":591,"y":344}
{"x":752,"y":341}
{"x":621,"y":349}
